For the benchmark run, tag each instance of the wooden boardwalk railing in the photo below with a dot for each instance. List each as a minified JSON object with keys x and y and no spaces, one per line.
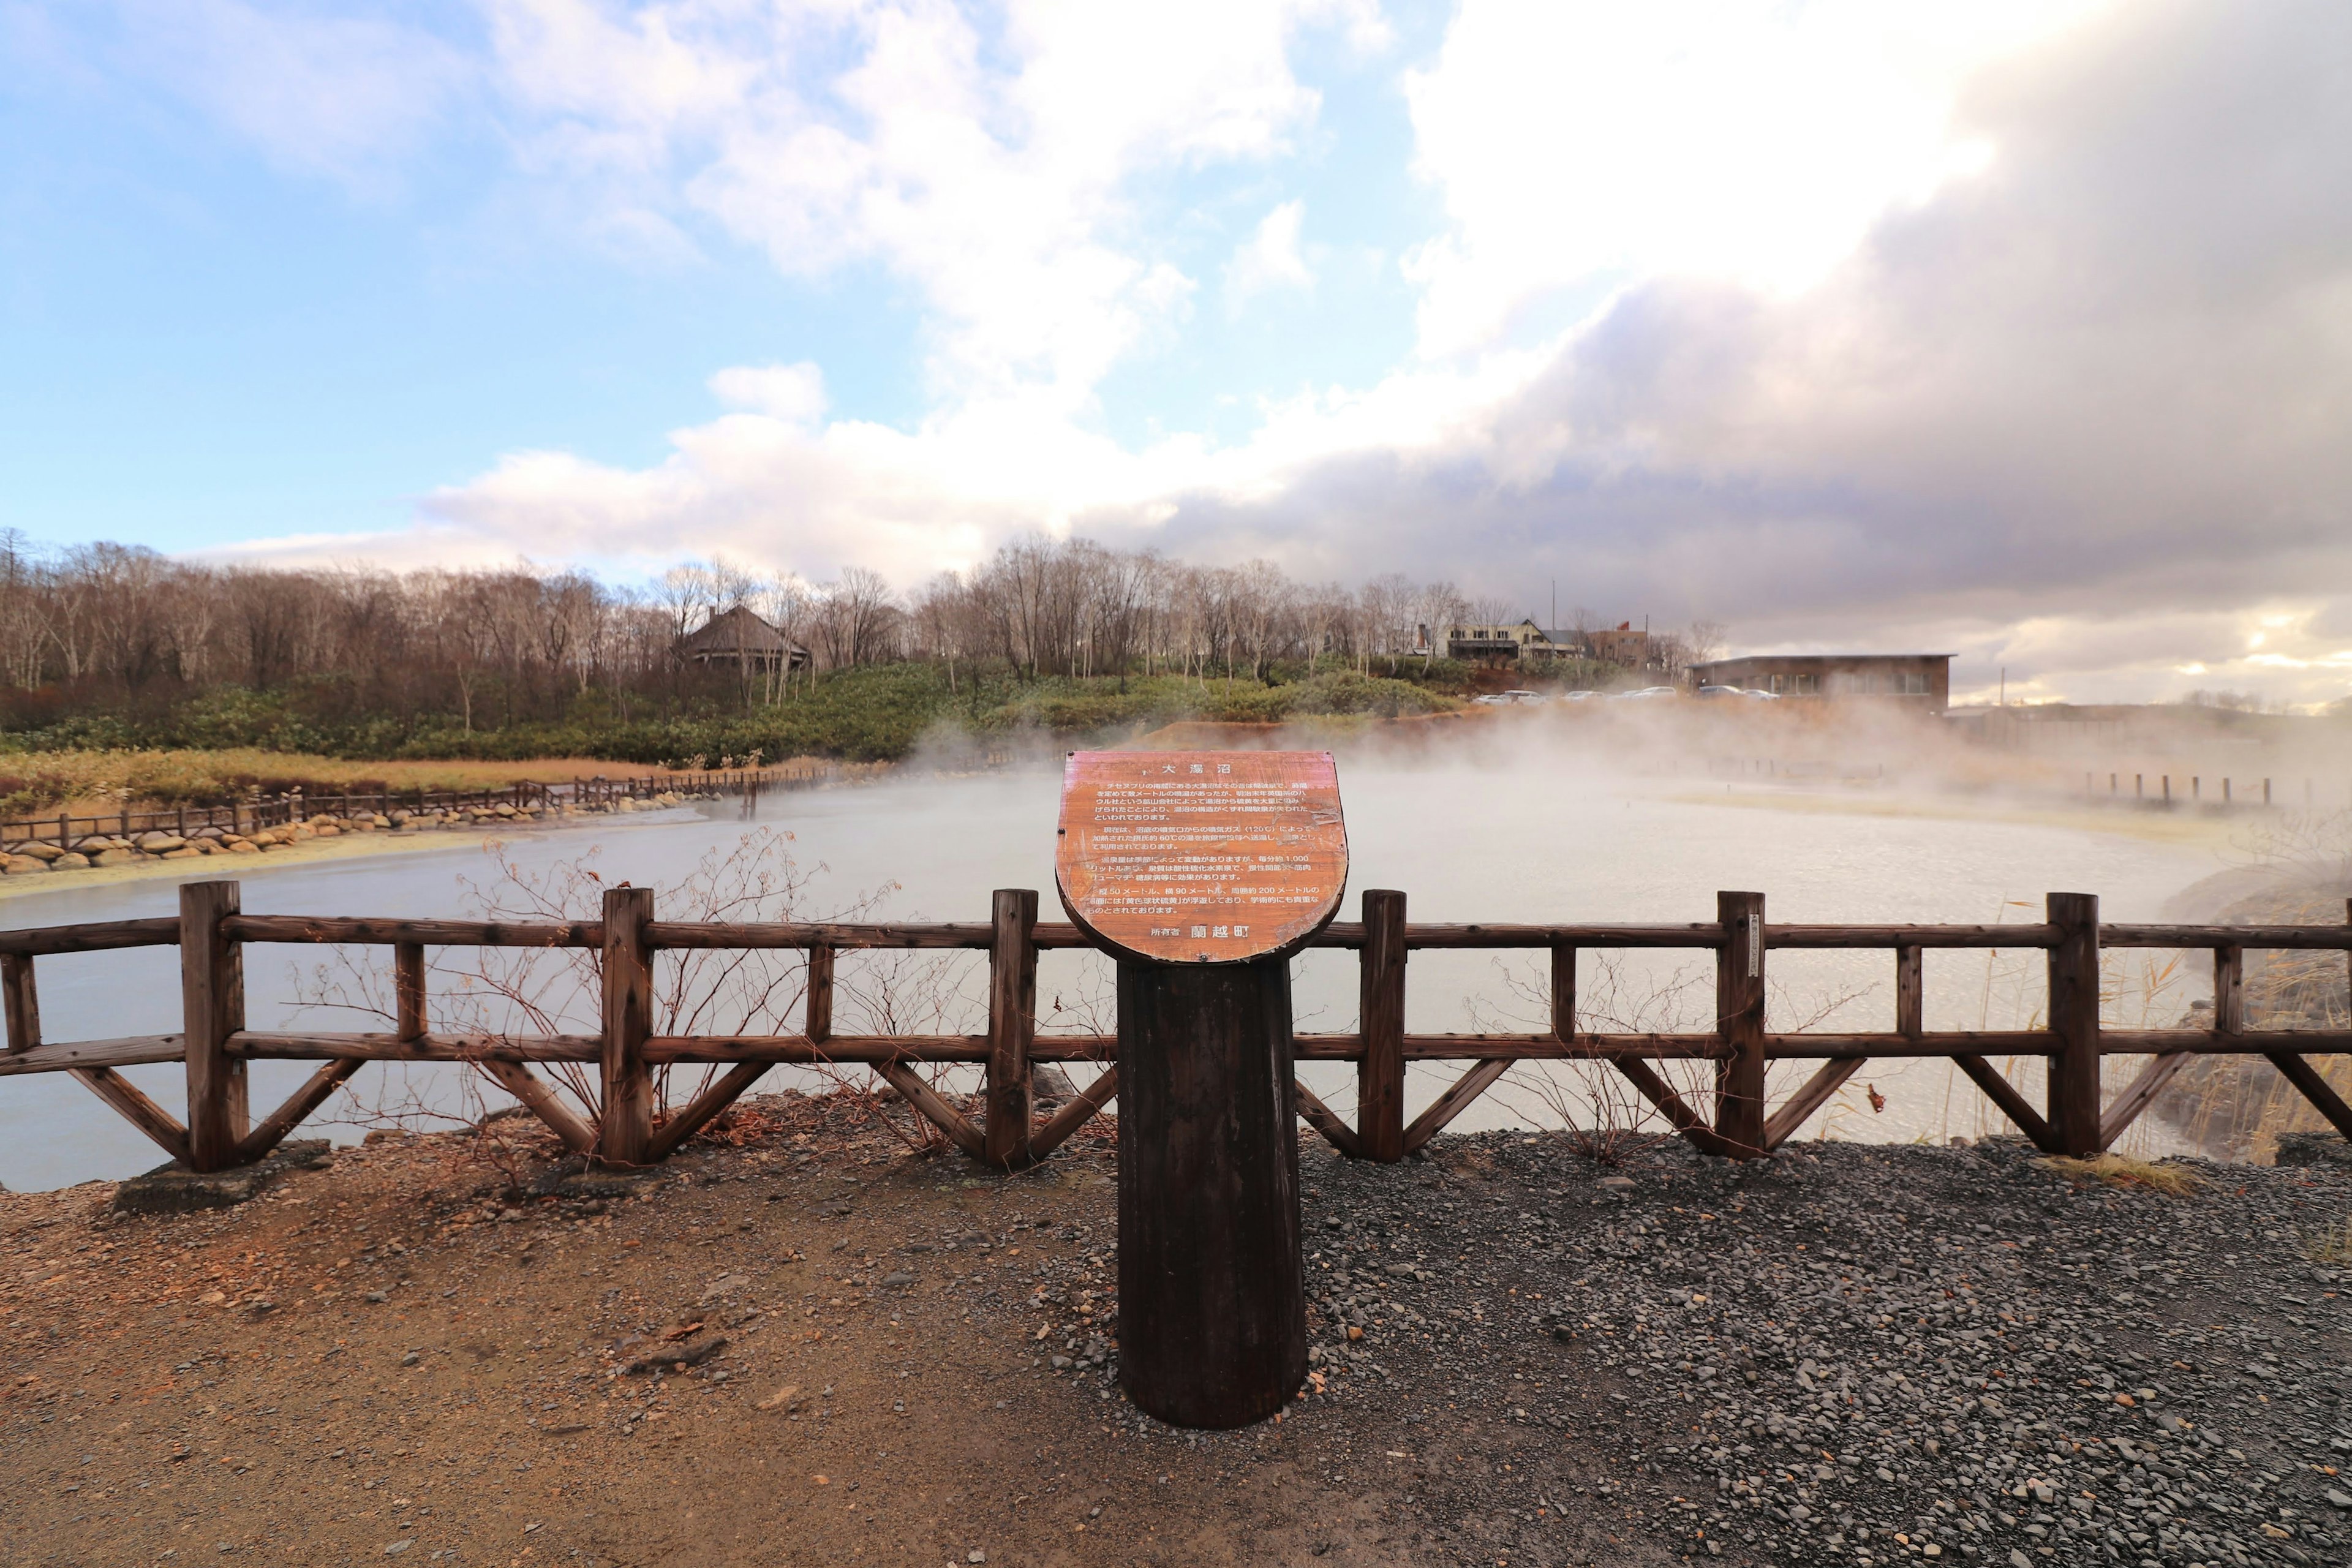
{"x":214,"y":1043}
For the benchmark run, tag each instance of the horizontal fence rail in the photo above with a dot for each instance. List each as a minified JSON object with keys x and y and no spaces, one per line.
{"x":625,"y":1127}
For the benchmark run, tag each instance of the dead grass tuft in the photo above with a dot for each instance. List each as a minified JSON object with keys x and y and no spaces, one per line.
{"x":2330,"y":1244}
{"x":2123,"y":1171}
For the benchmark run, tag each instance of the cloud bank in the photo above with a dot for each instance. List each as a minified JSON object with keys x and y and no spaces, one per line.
{"x":2019,"y":331}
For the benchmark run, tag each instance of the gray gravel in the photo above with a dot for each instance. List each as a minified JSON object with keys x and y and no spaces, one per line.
{"x":1849,"y":1353}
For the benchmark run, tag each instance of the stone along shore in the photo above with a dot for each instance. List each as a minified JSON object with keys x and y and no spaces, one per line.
{"x":38,"y":856}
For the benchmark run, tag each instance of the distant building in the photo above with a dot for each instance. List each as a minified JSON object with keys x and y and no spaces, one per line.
{"x":1921,"y":680}
{"x":1526,"y":640}
{"x":741,"y":639}
{"x":1621,"y":645}
{"x":1497,"y":645}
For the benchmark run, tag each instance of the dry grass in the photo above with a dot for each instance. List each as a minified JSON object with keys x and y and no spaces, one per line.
{"x":2123,"y":1171}
{"x":93,"y":783}
{"x":2330,"y":1244}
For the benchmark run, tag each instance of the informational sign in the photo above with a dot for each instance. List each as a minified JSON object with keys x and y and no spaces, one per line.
{"x":1200,"y":857}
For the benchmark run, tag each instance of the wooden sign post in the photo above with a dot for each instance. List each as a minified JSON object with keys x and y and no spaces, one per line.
{"x":1201,"y":872}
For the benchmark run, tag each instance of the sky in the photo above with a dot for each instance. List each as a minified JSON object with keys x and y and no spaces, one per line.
{"x":2021,"y":331}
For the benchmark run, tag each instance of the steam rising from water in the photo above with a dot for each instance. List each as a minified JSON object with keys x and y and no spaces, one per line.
{"x":1608,"y":815}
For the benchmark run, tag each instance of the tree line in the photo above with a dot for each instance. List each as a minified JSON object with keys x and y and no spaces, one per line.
{"x":93,"y":624}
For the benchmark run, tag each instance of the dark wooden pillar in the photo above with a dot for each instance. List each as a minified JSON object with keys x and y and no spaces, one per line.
{"x":1012,"y":1023}
{"x":1213,"y":1306}
{"x":2074,"y":1024}
{"x":624,"y":1129}
{"x":212,"y":1008}
{"x":1739,"y":1014}
{"x":408,"y":991}
{"x":1379,"y":1076}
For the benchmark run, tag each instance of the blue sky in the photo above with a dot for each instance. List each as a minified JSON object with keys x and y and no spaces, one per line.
{"x":210,"y":342}
{"x":2003,"y":325}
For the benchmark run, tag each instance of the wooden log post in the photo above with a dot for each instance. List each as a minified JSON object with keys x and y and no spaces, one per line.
{"x":1379,"y":1076}
{"x":22,"y":1003}
{"x":408,"y":990}
{"x":212,"y":1008}
{"x":2074,"y":967}
{"x":816,"y":1010}
{"x":1213,"y":1306}
{"x":1012,"y":1023}
{"x":1739,"y":1014}
{"x":1910,"y":991}
{"x":625,"y":1126}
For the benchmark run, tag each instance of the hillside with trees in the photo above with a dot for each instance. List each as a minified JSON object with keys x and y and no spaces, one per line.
{"x":115,"y":647}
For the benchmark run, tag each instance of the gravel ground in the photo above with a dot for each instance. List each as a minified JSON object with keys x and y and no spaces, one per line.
{"x":1871,"y":1353}
{"x":815,"y":1347}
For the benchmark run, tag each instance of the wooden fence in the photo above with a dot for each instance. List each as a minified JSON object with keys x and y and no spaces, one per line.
{"x":627,"y":1130}
{"x":66,"y":830}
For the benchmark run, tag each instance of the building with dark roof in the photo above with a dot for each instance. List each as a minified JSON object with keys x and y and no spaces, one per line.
{"x":1920,"y":680}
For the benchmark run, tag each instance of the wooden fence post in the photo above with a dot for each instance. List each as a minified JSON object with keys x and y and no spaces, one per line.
{"x":1379,"y":1076}
{"x":408,"y":990}
{"x":1739,"y":1014}
{"x":1012,"y":1023}
{"x":22,"y":1003}
{"x":1910,"y":991}
{"x":2074,"y":1024}
{"x":626,"y":1128}
{"x":212,"y":1008}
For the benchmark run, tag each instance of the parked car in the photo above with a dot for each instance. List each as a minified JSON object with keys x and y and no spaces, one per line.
{"x":1718,"y":692}
{"x":1650,"y":694}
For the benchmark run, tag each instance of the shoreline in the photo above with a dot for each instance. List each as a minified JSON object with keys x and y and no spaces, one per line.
{"x":344,"y":846}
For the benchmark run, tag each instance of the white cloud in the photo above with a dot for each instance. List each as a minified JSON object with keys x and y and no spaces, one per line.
{"x":1745,"y":140}
{"x":2018,"y":327}
{"x":989,"y":169}
{"x":344,"y":96}
{"x":1268,"y":259}
{"x":791,"y":393}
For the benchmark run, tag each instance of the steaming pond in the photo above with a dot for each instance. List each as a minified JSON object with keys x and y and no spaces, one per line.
{"x":1524,"y":842}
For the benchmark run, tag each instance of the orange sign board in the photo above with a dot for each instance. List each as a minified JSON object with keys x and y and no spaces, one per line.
{"x":1200,"y":857}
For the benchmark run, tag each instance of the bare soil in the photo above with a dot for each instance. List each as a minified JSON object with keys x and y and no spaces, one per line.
{"x":806,"y":1341}
{"x":400,"y":1354}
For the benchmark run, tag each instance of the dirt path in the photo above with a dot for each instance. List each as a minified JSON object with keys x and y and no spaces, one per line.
{"x":816,"y":1347}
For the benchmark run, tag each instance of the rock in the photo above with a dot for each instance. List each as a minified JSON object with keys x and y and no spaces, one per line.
{"x":114,"y":857}
{"x":175,"y":1189}
{"x":242,"y":847}
{"x":2308,"y":1149}
{"x":676,"y":1358}
{"x":726,"y":1285}
{"x":161,"y":843}
{"x":22,"y":865}
{"x":38,"y":850}
{"x":1615,"y":1183}
{"x":570,"y":1181}
{"x":900,"y":1278}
